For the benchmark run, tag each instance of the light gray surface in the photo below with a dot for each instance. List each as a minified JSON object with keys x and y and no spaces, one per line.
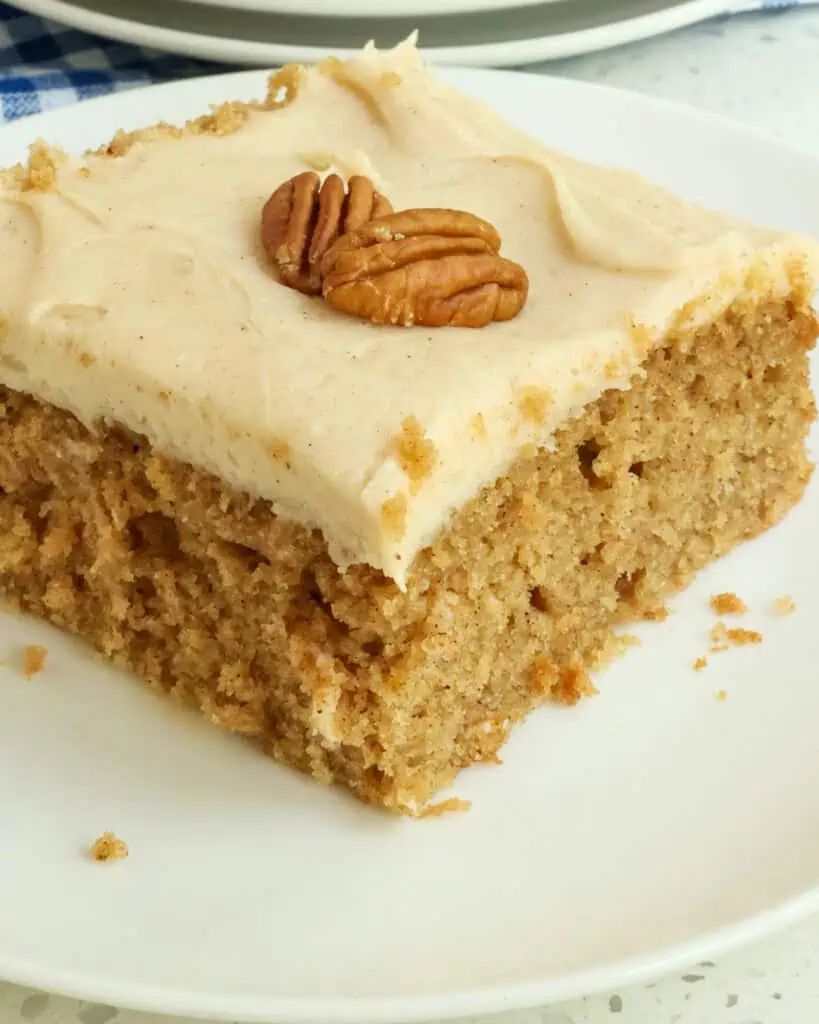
{"x":762,"y":69}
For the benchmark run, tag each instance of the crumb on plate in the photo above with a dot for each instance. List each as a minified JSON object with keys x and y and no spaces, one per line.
{"x":34,"y":659}
{"x":722,"y":695}
{"x":784,"y":605}
{"x":109,"y":847}
{"x":728,"y":604}
{"x":700,"y":663}
{"x":722,"y":638}
{"x":451,"y":806}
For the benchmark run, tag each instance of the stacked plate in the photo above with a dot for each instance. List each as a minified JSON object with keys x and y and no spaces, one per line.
{"x":471,"y":32}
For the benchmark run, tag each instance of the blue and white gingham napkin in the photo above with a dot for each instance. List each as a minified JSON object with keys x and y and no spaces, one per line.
{"x":44,"y":65}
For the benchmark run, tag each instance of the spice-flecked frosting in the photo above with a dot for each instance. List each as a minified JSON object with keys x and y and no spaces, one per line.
{"x":135,"y":290}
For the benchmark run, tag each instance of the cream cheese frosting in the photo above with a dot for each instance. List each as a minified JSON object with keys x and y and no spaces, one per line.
{"x":136,"y":291}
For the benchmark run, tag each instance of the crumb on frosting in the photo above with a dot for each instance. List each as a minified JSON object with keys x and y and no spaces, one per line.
{"x":108,"y":847}
{"x":86,"y":359}
{"x":416,"y":454}
{"x":728,"y":604}
{"x":658,"y":614}
{"x":224,"y":119}
{"x":389,"y":79}
{"x":283,"y":85}
{"x":41,"y":168}
{"x":123,"y":141}
{"x":533,"y":404}
{"x":394,"y":516}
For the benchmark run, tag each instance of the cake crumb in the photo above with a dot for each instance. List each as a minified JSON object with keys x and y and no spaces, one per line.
{"x":109,"y":847}
{"x":784,"y":605}
{"x":417,"y":455}
{"x":394,"y":516}
{"x":534,"y":404}
{"x":728,"y":604}
{"x":722,"y":638}
{"x":283,"y":85}
{"x":453,"y":805}
{"x":34,"y":659}
{"x":224,"y":119}
{"x":389,"y":79}
{"x":86,"y":359}
{"x":722,"y":695}
{"x":743,"y":637}
{"x":719,"y":641}
{"x":616,"y":647}
{"x":42,"y":167}
{"x":700,"y":663}
{"x":659,"y":614}
{"x":573,"y":684}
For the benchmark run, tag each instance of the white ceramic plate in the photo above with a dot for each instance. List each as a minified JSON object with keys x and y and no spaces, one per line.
{"x":544,"y":31}
{"x":651,"y":826}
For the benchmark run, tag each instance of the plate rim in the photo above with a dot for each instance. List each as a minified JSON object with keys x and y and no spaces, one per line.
{"x":493,"y":998}
{"x":674,"y":14}
{"x":424,"y":1009}
{"x":372,"y":8}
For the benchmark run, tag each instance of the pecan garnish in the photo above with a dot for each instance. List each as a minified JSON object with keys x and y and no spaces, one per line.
{"x":436,"y":268}
{"x":303,"y":218}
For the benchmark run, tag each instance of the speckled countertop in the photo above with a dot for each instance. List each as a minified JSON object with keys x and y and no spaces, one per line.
{"x":762,"y":69}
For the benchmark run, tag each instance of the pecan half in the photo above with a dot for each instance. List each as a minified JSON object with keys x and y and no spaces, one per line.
{"x":436,"y":268}
{"x":303,"y":217}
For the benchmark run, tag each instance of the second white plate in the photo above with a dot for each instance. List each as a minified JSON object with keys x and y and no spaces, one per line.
{"x":522,"y":35}
{"x":371,"y":8}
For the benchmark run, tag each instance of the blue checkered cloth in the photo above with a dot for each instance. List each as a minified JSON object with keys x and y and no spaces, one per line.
{"x":44,"y":65}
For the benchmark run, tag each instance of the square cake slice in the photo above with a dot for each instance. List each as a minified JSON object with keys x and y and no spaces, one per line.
{"x":370,"y":542}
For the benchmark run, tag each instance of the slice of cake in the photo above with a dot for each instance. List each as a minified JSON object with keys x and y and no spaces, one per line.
{"x":367,"y":463}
